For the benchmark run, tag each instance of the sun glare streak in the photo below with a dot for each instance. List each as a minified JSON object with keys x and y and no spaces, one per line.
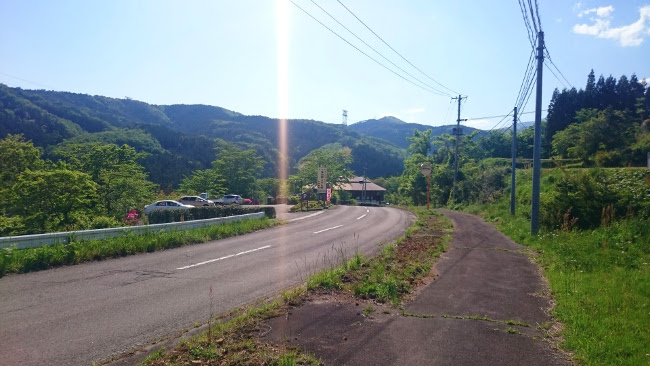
{"x":282,"y":30}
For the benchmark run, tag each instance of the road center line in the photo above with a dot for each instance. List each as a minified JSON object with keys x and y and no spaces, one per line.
{"x":226,"y":257}
{"x":330,"y":228}
{"x":306,"y":217}
{"x":364,"y":215}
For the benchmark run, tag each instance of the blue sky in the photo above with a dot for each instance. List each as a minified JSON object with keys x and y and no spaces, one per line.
{"x":263,"y":57}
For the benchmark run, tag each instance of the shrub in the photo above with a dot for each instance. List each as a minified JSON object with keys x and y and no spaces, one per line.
{"x":209,"y":212}
{"x":584,"y":200}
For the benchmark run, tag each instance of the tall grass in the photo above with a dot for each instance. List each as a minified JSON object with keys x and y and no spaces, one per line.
{"x":34,"y":259}
{"x":600,"y":280}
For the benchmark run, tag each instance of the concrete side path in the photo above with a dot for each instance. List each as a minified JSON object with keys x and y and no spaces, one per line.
{"x":488,"y":306}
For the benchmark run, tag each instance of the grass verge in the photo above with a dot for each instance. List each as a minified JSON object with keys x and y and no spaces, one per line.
{"x":35,"y":259}
{"x":388,"y":277}
{"x":600,"y":280}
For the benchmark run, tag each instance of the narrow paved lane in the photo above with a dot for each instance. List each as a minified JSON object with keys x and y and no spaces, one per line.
{"x":488,"y":306}
{"x":85,"y":313}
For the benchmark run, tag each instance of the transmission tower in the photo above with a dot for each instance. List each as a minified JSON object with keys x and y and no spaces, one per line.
{"x":345,"y":117}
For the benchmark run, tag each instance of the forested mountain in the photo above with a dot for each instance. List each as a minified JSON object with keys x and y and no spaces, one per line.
{"x":179,"y":139}
{"x":395,"y":131}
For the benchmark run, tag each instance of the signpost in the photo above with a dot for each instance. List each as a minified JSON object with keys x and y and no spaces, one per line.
{"x":425,"y":168}
{"x":321,"y":183}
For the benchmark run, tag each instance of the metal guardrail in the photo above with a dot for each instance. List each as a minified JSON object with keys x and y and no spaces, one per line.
{"x":38,"y":240}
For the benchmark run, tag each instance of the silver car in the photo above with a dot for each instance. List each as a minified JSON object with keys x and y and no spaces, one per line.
{"x":195,"y":201}
{"x":230,"y":199}
{"x":165,"y":205}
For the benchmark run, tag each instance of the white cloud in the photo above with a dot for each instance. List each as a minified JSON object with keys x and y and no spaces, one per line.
{"x":603,"y":11}
{"x":628,"y":35}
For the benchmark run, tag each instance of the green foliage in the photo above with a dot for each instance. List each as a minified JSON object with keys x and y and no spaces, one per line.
{"x":270,"y":186}
{"x":238,"y":168}
{"x":53,"y":200}
{"x":207,"y":212}
{"x":420,"y":142}
{"x":583,"y":198}
{"x":16,"y":156}
{"x":122,"y":184}
{"x":335,"y":158}
{"x":208,"y":181}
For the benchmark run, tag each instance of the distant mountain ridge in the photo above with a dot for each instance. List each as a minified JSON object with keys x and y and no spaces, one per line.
{"x":395,"y":131}
{"x":178,"y":138}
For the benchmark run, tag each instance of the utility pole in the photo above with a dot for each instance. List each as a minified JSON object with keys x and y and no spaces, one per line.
{"x":514,"y":162}
{"x":345,"y":118}
{"x":537,"y":161}
{"x":458,"y":131}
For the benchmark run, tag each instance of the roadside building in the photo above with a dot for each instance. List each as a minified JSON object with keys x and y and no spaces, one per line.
{"x":364,"y":191}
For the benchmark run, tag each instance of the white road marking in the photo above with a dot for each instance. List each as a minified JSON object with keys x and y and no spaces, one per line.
{"x":306,"y":217}
{"x":364,"y":215}
{"x":331,"y":228}
{"x":226,"y":257}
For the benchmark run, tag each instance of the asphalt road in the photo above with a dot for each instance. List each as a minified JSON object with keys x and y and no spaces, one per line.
{"x":90,"y":312}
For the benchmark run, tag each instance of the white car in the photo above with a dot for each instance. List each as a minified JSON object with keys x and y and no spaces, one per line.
{"x":230,"y":199}
{"x":165,"y":205}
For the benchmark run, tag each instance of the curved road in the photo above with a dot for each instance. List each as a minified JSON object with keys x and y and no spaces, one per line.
{"x":87,"y":313}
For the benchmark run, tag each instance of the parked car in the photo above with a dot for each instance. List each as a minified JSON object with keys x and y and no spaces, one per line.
{"x":165,"y":205}
{"x":230,"y":199}
{"x":248,"y":201}
{"x":195,"y":201}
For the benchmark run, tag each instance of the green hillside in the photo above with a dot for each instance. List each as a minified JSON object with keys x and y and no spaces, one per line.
{"x":179,"y":139}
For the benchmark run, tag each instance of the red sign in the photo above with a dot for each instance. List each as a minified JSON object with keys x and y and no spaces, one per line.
{"x":329,"y":194}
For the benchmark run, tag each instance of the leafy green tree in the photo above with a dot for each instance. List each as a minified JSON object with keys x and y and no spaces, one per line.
{"x":16,"y":156}
{"x":420,"y":142}
{"x":239,"y":168}
{"x":270,"y":186}
{"x":413,"y":184}
{"x":337,"y":162}
{"x":207,"y":180}
{"x":122,"y":182}
{"x":53,"y":200}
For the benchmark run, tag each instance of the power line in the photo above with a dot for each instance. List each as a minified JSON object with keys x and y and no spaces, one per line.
{"x":524,"y":14}
{"x":548,"y":55}
{"x":501,"y":115}
{"x":529,"y":69}
{"x":403,"y":58}
{"x":25,"y":80}
{"x":532,"y":17}
{"x":365,"y":54}
{"x":377,"y":52}
{"x":558,"y":79}
{"x":539,"y":20}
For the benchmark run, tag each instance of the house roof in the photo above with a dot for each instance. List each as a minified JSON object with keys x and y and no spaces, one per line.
{"x":356,"y":184}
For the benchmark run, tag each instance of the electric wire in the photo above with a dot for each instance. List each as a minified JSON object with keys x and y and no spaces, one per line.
{"x":502,"y":115}
{"x":529,"y":69}
{"x":377,"y":52}
{"x":558,"y":79}
{"x":524,"y":14}
{"x":389,"y":46}
{"x":548,"y":56}
{"x":539,"y":20}
{"x":365,"y":54}
{"x":25,"y":80}
{"x":532,"y":16}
